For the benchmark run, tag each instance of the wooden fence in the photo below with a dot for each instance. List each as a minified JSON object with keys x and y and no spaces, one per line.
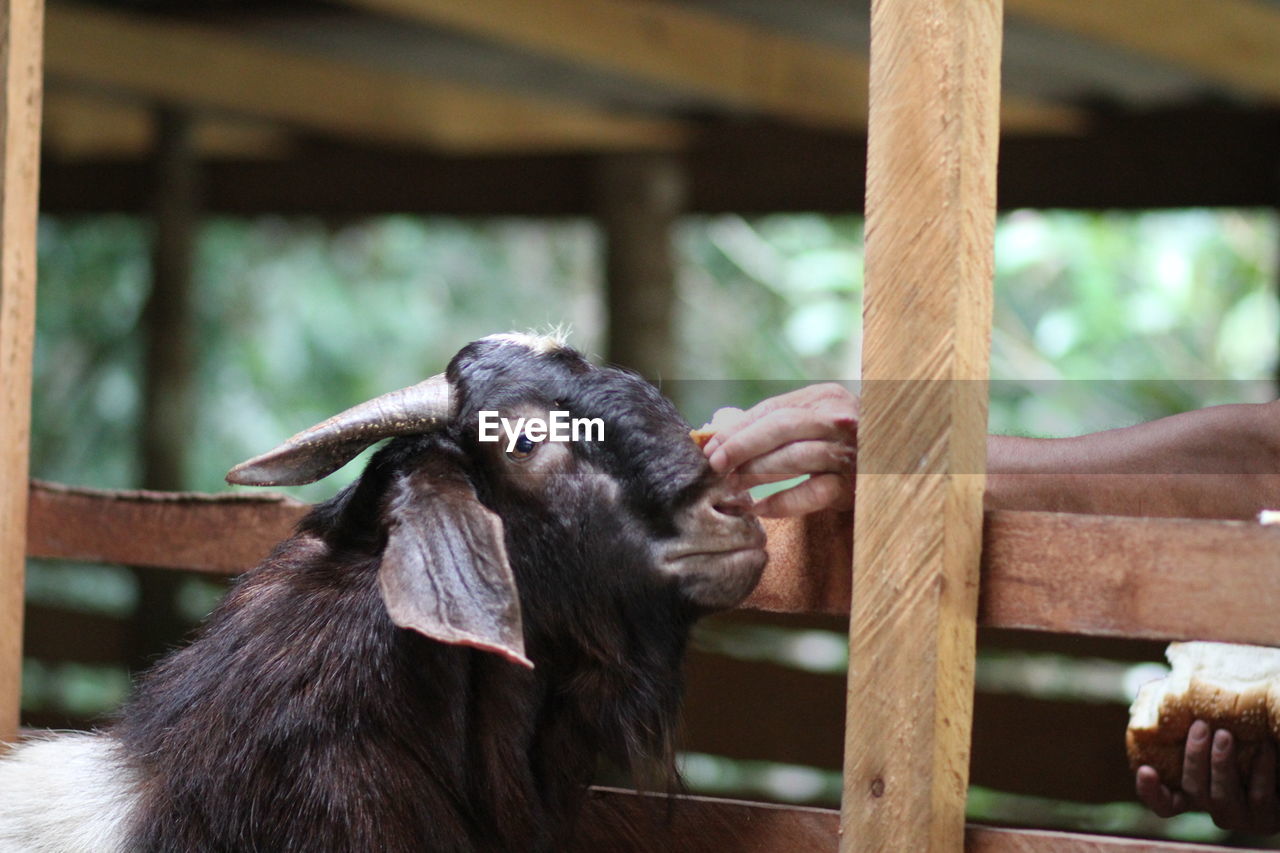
{"x":927,"y":567}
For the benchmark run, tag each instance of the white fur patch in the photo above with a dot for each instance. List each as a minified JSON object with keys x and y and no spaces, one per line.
{"x":65,"y":793}
{"x":551,"y":341}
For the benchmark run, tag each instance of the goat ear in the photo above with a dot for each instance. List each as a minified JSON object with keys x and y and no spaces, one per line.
{"x":444,"y":571}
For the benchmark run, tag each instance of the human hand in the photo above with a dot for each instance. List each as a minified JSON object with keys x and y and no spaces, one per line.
{"x":1212,"y":782}
{"x":812,"y":430}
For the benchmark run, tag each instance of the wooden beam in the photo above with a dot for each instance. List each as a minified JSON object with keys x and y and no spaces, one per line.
{"x":1098,"y":575}
{"x":743,"y":65}
{"x":931,"y":194}
{"x":1072,"y":752}
{"x":20,"y":89}
{"x":222,"y":534}
{"x":1201,"y":156}
{"x":1153,"y":578}
{"x":1232,"y":42}
{"x":79,"y":126}
{"x":201,"y":67}
{"x":627,"y":822}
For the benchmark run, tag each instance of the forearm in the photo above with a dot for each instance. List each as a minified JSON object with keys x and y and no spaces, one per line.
{"x":1219,"y":462}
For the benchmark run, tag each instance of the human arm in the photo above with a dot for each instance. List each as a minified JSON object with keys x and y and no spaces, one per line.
{"x":1216,"y":462}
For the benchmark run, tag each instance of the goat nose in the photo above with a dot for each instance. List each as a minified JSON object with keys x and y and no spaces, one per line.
{"x":736,"y":502}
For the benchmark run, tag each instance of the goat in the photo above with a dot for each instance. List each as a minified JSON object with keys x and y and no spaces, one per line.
{"x":441,"y":653}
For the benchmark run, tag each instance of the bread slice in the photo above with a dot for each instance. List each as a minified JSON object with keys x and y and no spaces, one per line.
{"x":722,"y":418}
{"x":1229,"y":686}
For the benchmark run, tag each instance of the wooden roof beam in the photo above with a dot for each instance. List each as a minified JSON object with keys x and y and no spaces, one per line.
{"x":79,"y":126}
{"x":741,"y":64}
{"x":1232,"y":42}
{"x":202,"y":67}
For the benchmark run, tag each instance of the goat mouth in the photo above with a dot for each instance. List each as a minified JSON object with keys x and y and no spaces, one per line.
{"x":718,"y":576}
{"x":712,"y":554}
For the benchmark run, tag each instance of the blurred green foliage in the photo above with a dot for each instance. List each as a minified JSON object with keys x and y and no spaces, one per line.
{"x":297,"y":320}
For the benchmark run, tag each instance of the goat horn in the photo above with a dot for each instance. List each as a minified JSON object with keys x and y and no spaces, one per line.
{"x":319,"y":451}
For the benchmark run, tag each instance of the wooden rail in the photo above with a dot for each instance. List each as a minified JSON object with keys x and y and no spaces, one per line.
{"x":1147,"y":578}
{"x":624,"y":822}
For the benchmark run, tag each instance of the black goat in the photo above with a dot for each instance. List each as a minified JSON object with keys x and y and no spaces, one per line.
{"x":439,"y":656}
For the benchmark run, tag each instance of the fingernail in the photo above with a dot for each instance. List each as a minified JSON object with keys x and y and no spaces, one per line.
{"x":719,"y":461}
{"x":1222,"y":740}
{"x":1199,"y":730}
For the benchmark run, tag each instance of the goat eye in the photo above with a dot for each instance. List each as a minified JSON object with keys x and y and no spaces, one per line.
{"x":524,"y":447}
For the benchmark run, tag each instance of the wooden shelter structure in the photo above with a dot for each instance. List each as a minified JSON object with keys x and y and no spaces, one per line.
{"x":636,"y":110}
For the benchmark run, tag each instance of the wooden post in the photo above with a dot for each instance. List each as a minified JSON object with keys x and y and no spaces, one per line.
{"x":640,"y":196}
{"x":168,"y":416}
{"x":21,"y":44}
{"x":931,"y":159}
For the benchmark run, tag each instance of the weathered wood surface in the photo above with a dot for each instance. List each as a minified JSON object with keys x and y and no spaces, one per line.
{"x":721,"y":58}
{"x":1128,"y":577}
{"x":932,"y":141}
{"x":1205,"y":155}
{"x":199,"y":66}
{"x":1099,"y":575}
{"x":223,"y":534}
{"x":1233,"y":42}
{"x":21,"y":41}
{"x":625,"y":822}
{"x":760,"y":711}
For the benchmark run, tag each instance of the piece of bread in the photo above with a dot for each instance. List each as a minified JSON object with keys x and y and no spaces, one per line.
{"x":701,"y":435}
{"x":721,"y":419}
{"x":1229,"y":686}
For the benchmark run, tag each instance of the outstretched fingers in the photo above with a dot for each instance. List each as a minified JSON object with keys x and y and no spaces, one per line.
{"x":776,"y":429}
{"x":829,"y":397}
{"x":797,"y":459}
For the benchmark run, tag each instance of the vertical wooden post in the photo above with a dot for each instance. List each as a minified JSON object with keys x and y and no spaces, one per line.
{"x":640,"y":197}
{"x":21,"y":47}
{"x":168,"y":416}
{"x":931,"y":159}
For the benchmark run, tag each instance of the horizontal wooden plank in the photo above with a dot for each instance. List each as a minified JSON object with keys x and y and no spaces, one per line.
{"x":78,"y":125}
{"x":1047,"y":748}
{"x":744,"y":65}
{"x":990,"y":839}
{"x":55,"y":635}
{"x":199,"y":66}
{"x":1177,"y":158}
{"x":1076,"y":574}
{"x":1150,"y":578}
{"x":1235,"y":43}
{"x":1133,"y":577}
{"x":222,"y":534}
{"x":626,"y":822}
{"x":809,"y":565}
